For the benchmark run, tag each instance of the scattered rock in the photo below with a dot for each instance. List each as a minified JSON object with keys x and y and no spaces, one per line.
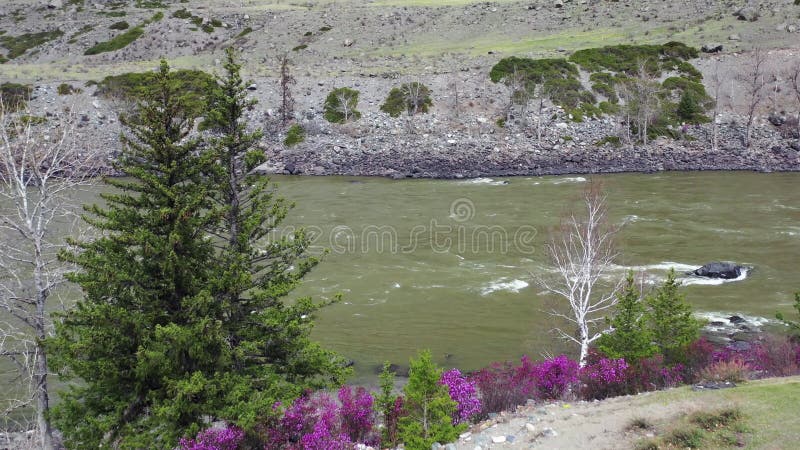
{"x":713,"y":385}
{"x":498,"y":439}
{"x":348,"y":42}
{"x":55,"y":4}
{"x":713,"y":47}
{"x":734,"y":37}
{"x":549,"y":432}
{"x":252,"y":87}
{"x":530,"y":427}
{"x":776,"y":119}
{"x":747,"y":13}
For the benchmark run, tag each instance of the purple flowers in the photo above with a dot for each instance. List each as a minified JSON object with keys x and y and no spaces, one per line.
{"x":463,"y":392}
{"x":227,"y":438}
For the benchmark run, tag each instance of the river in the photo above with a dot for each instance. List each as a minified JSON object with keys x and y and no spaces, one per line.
{"x":449,"y":265}
{"x":421,"y":263}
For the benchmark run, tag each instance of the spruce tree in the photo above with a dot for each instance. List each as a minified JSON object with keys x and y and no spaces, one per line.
{"x":671,"y":321}
{"x":272,"y":356}
{"x":631,"y":338}
{"x":428,"y":406}
{"x":147,"y":337}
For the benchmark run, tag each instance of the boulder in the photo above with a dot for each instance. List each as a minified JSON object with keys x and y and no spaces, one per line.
{"x":747,"y":13}
{"x":711,"y":47}
{"x":55,"y":4}
{"x":723,"y":270}
{"x":776,"y":119}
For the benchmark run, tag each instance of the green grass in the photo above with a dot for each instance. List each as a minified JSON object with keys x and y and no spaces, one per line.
{"x":117,"y":42}
{"x":14,"y":95}
{"x":757,"y":415}
{"x":121,"y":25}
{"x":18,"y":45}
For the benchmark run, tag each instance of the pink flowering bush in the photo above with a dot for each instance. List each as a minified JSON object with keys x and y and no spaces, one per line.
{"x":227,"y":438}
{"x":318,"y":422}
{"x":553,"y":378}
{"x":464,"y":393}
{"x":357,"y":415}
{"x":498,"y":388}
{"x":604,"y":378}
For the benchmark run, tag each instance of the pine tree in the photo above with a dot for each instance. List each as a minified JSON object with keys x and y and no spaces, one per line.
{"x":272,"y":356}
{"x":670,"y":319}
{"x":631,"y":338}
{"x":429,"y":407}
{"x":147,"y":336}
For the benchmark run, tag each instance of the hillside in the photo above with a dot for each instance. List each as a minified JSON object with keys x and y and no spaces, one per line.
{"x":373,"y":46}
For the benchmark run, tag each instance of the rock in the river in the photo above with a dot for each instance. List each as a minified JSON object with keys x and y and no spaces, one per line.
{"x":723,"y":270}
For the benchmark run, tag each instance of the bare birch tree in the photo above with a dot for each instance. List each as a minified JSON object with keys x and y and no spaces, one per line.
{"x":582,"y":253}
{"x":642,"y":104}
{"x":348,"y":100}
{"x":39,"y":171}
{"x":716,"y":83}
{"x":753,"y":79}
{"x":794,"y":78}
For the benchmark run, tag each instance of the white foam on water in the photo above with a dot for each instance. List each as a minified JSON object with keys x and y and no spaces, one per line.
{"x":486,"y":181}
{"x":570,"y":180}
{"x":693,"y":280}
{"x":396,"y":285}
{"x":720,"y":316}
{"x":503,"y":285}
{"x":664,"y":265}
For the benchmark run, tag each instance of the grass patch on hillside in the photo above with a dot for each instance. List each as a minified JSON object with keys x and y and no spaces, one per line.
{"x":195,"y":85}
{"x":85,"y":29}
{"x":18,"y":45}
{"x":117,"y":42}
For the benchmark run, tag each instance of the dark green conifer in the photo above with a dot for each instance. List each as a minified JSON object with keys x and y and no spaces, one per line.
{"x":671,"y":320}
{"x":631,"y":338}
{"x":147,"y":335}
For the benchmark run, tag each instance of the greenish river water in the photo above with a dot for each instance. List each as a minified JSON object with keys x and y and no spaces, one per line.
{"x":447,"y":265}
{"x":471,"y":303}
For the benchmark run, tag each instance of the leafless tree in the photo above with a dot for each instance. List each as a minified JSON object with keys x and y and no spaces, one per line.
{"x":454,"y":86}
{"x":347,"y":103}
{"x":518,"y":94}
{"x":716,"y":83}
{"x":286,"y":81}
{"x":794,"y":78}
{"x":40,"y":170}
{"x":753,"y":78}
{"x":642,"y":101}
{"x":415,"y":94}
{"x":582,"y":253}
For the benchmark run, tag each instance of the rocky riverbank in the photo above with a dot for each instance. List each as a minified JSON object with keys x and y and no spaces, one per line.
{"x":429,"y":148}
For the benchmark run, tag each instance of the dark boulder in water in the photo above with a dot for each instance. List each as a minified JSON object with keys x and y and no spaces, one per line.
{"x":723,"y":270}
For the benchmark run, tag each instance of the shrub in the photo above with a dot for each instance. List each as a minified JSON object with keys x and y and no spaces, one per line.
{"x":689,"y":437}
{"x":309,"y":423}
{"x":356,"y":415}
{"x":650,"y":374}
{"x":67,"y":89}
{"x":429,"y":408}
{"x":227,"y":438}
{"x":699,"y":355}
{"x":116,"y":43}
{"x":18,"y":45}
{"x":604,"y":378}
{"x":197,"y":87}
{"x":411,"y":98}
{"x":612,"y":140}
{"x":340,"y":105}
{"x":182,"y":14}
{"x":734,"y":370}
{"x":793,"y":325}
{"x":463,"y":392}
{"x":626,"y":58}
{"x":300,"y":47}
{"x":550,"y":379}
{"x":498,"y":388}
{"x":717,"y":419}
{"x":15,"y":96}
{"x":609,"y":108}
{"x":295,"y":135}
{"x":121,"y":25}
{"x":245,"y":32}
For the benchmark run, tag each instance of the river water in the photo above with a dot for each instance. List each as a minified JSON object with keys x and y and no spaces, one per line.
{"x":449,"y":265}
